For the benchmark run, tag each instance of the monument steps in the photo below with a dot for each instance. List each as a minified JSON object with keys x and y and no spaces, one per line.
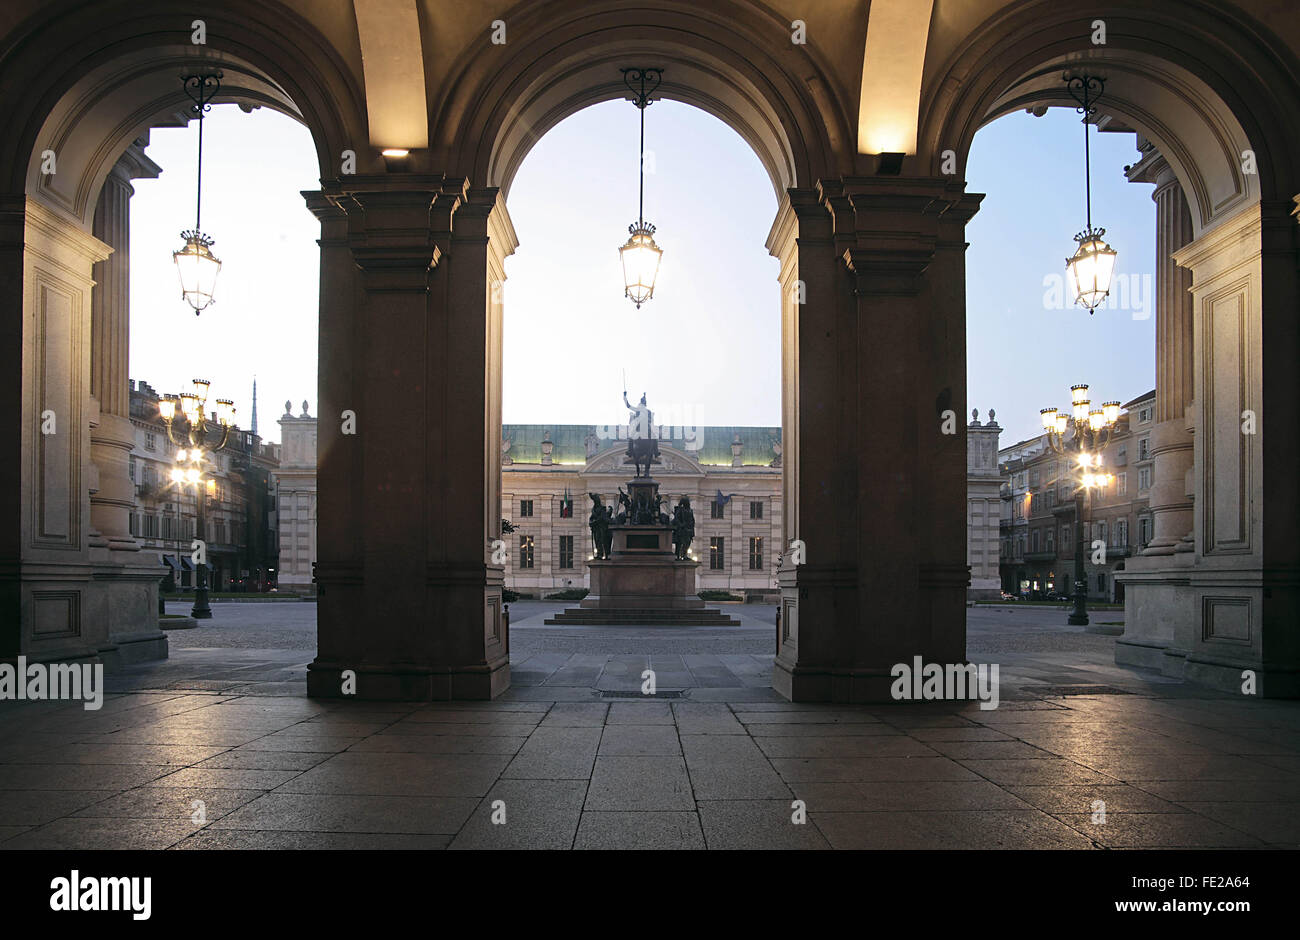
{"x":652,"y":617}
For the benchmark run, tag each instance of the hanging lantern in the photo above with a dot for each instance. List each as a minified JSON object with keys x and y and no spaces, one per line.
{"x":195,"y":263}
{"x":640,"y":255}
{"x":1091,"y":269}
{"x":1093,"y":264}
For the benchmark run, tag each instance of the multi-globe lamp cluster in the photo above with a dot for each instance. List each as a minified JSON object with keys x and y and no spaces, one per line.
{"x":1090,"y":430}
{"x":199,"y":438}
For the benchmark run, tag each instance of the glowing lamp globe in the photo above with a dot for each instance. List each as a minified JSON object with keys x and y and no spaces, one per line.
{"x":640,"y":257}
{"x":198,"y":268}
{"x":1091,"y":269}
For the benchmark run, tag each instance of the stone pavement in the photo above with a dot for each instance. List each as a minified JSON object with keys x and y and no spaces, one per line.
{"x":577,"y":758}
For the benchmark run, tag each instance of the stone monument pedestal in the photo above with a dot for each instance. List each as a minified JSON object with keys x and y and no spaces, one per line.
{"x":642,"y":582}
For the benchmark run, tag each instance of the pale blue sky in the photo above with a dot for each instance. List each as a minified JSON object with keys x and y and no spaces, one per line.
{"x":1022,"y":356}
{"x":706,"y":349}
{"x":263,"y":322}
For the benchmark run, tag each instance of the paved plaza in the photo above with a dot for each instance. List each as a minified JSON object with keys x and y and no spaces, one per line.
{"x":218,"y":747}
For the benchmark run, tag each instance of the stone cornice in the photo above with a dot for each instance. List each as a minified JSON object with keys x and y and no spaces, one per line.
{"x":1219,"y":249}
{"x":60,"y":231}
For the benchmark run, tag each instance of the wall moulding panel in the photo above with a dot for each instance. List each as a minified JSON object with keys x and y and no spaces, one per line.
{"x":1225,"y":267}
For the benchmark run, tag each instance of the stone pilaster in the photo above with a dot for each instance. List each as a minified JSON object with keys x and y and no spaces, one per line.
{"x":63,"y":596}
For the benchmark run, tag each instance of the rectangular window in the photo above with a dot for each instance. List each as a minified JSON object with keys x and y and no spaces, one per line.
{"x":1121,"y":484}
{"x":716,"y":510}
{"x":1033,"y":541}
{"x":1144,"y":531}
{"x":717,"y":553}
{"x":525,"y":551}
{"x":1101,"y":583}
{"x":1144,"y":448}
{"x":1050,"y":545}
{"x":756,"y":510}
{"x":566,"y":551}
{"x":525,"y":507}
{"x":150,"y":441}
{"x":566,"y":509}
{"x":756,"y":551}
{"x":1144,"y":479}
{"x":1121,"y":532}
{"x":1101,"y":532}
{"x":134,"y":519}
{"x":1065,"y":538}
{"x":131,"y":470}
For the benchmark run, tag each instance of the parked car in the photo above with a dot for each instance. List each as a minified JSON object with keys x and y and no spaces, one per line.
{"x":1010,"y":597}
{"x":1058,"y":596}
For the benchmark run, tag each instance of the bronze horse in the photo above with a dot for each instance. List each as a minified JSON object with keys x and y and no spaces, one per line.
{"x":643,"y":450}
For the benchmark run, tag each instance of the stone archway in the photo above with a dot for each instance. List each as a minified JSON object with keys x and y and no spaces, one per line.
{"x":481,"y":132}
{"x":1216,"y":97}
{"x":872,"y":281}
{"x":74,"y":585}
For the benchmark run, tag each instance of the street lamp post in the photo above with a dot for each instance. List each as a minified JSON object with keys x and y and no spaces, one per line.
{"x":1090,"y":430}
{"x":190,"y":465}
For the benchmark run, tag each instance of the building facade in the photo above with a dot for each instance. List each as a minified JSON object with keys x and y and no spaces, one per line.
{"x":240,"y":516}
{"x":983,"y":507}
{"x":295,"y":488}
{"x":732,"y":476}
{"x":1039,"y":519}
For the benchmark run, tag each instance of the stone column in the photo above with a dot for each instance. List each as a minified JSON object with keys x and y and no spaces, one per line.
{"x":111,"y":436}
{"x":1157,"y":603}
{"x":409,"y":601}
{"x":879,"y":484}
{"x":819,"y":595}
{"x":341,"y":602}
{"x":1171,"y":438}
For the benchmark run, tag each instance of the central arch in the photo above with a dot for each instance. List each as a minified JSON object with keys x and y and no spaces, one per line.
{"x":777,"y":95}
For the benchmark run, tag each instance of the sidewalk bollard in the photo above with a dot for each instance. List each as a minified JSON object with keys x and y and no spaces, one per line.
{"x":505,"y":625}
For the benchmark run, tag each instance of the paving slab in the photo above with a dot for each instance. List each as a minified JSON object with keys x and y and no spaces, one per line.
{"x":640,"y":784}
{"x":537,"y":814}
{"x":982,"y":829}
{"x":656,"y":831}
{"x":324,"y":812}
{"x":757,"y":824}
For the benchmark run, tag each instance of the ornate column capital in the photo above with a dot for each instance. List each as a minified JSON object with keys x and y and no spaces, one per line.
{"x":887,"y":229}
{"x":391,"y":226}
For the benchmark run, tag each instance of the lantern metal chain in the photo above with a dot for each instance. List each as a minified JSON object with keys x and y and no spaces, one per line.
{"x":642,"y":83}
{"x":1087,"y":90}
{"x":201,"y":88}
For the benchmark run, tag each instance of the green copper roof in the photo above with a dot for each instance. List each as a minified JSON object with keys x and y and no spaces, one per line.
{"x":711,"y":445}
